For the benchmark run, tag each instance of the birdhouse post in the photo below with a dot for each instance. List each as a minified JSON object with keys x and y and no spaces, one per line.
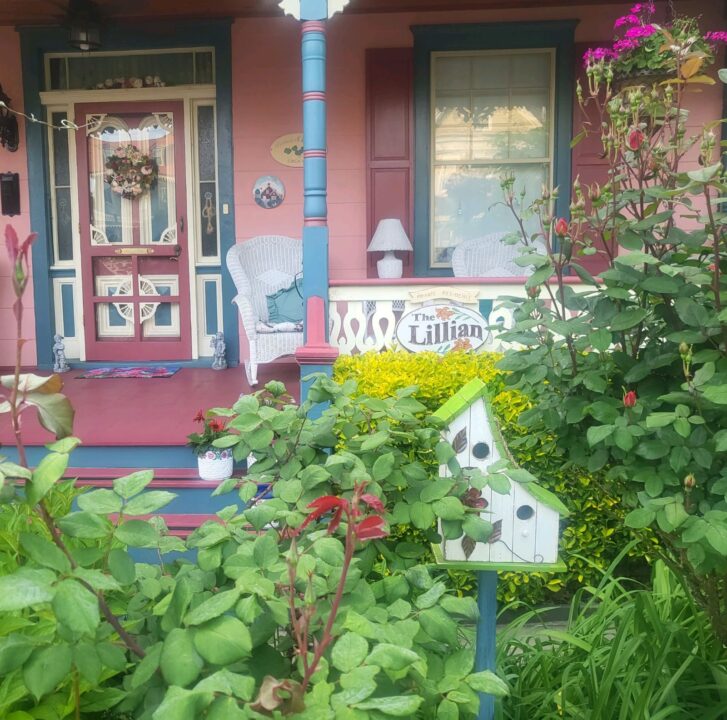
{"x":525,"y":517}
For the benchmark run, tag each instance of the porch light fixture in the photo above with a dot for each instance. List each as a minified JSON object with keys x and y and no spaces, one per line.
{"x":84,"y":28}
{"x":292,"y":7}
{"x":389,"y":237}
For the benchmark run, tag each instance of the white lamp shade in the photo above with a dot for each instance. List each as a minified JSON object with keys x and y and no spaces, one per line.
{"x":292,"y":7}
{"x":389,"y":235}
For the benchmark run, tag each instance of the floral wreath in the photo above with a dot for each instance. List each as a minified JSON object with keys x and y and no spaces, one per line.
{"x":129,"y":172}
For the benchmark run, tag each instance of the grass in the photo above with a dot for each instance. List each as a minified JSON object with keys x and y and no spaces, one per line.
{"x":626,"y":652}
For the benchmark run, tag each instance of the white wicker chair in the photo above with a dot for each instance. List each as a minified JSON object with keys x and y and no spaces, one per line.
{"x":260,"y":267}
{"x":487,"y":256}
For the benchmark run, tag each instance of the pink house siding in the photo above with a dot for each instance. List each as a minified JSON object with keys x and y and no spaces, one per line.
{"x":267,"y":102}
{"x":17,"y":163}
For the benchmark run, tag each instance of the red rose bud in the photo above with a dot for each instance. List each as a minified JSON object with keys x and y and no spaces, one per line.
{"x":561,"y":227}
{"x":630,"y":399}
{"x":635,"y":139}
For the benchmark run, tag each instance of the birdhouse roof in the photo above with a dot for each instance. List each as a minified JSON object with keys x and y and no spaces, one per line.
{"x":460,"y":403}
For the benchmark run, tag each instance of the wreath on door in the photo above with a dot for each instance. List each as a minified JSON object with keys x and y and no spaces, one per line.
{"x":129,"y":172}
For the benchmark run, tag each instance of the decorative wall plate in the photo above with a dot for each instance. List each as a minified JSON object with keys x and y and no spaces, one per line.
{"x":268,"y":192}
{"x":288,"y":150}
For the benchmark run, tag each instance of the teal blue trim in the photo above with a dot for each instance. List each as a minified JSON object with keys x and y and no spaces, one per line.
{"x":485,"y":308}
{"x":210,"y":307}
{"x":62,"y":272}
{"x":208,"y":269}
{"x":485,"y":652}
{"x":34,"y":43}
{"x":154,"y":456}
{"x":557,"y":34}
{"x":69,"y":320}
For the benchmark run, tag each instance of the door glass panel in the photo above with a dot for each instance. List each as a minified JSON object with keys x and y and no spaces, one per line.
{"x":135,"y":242}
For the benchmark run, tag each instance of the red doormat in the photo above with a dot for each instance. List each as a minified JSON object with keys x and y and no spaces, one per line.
{"x":150,"y":371}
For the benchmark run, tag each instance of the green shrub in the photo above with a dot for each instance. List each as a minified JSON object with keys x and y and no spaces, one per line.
{"x":594,"y":533}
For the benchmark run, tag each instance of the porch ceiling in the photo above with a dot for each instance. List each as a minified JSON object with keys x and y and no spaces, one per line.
{"x":53,"y":12}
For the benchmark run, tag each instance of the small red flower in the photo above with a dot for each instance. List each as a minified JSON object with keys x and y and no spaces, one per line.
{"x":561,"y":227}
{"x":373,"y":502}
{"x":371,"y":528}
{"x":199,"y":417}
{"x":630,"y":398}
{"x":216,"y":425}
{"x":444,"y":313}
{"x":635,"y":139}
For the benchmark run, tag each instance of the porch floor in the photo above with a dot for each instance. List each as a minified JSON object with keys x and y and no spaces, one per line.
{"x":149,"y":412}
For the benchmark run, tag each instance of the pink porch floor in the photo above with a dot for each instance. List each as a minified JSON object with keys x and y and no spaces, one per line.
{"x":149,"y":411}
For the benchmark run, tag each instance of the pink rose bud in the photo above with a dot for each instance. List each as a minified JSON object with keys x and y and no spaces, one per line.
{"x":636,"y":139}
{"x":561,"y":227}
{"x":630,"y":399}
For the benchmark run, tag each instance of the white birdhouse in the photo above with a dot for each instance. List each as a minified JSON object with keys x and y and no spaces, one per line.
{"x":525,"y":519}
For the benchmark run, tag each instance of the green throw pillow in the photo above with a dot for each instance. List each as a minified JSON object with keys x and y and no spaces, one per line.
{"x":286,"y":305}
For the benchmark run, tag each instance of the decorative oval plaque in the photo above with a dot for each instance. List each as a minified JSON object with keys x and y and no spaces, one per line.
{"x":288,"y":150}
{"x":441,"y":328}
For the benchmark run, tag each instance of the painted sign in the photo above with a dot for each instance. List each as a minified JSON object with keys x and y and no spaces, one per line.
{"x":441,"y":328}
{"x":288,"y":150}
{"x":459,"y":295}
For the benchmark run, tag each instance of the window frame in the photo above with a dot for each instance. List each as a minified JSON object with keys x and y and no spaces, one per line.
{"x":511,"y":36}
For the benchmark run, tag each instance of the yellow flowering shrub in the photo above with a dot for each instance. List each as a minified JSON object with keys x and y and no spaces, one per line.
{"x":594,"y":532}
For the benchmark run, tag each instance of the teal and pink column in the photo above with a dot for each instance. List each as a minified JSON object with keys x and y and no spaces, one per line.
{"x":316,"y":355}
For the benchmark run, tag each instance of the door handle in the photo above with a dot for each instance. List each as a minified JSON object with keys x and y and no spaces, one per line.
{"x":181,"y":224}
{"x":177,"y":253}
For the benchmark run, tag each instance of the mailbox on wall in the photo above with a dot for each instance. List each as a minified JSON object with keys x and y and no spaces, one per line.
{"x":10,"y":193}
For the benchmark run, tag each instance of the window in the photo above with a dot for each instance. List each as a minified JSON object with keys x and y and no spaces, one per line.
{"x":490,"y":100}
{"x":492,"y":115}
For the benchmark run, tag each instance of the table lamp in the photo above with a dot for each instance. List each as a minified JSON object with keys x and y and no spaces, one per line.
{"x":389,"y":237}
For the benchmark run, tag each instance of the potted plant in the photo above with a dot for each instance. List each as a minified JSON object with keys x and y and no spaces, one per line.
{"x":214,"y":463}
{"x":644,"y":51}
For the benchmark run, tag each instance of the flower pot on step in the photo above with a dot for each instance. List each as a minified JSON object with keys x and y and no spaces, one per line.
{"x":215,"y":464}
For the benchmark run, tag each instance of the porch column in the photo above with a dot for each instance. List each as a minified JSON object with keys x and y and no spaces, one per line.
{"x":317,"y":355}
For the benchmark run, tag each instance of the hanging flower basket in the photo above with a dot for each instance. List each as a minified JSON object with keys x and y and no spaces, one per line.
{"x":215,"y":464}
{"x":129,"y":172}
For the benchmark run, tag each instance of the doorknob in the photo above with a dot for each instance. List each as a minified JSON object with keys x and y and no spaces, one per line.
{"x":181,"y":224}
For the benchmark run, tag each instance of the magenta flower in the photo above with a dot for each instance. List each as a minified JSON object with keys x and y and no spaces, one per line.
{"x":642,"y":31}
{"x":625,"y":45}
{"x":720,"y":36}
{"x":627,"y":20}
{"x":594,"y":55}
{"x":647,"y":7}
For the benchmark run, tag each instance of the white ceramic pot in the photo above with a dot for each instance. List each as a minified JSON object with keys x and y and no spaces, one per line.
{"x":215,"y":464}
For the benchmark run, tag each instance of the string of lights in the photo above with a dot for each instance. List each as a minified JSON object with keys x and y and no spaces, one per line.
{"x":65,"y":124}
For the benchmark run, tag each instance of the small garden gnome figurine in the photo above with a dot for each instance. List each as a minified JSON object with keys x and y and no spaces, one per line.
{"x":218,"y":344}
{"x":59,"y":355}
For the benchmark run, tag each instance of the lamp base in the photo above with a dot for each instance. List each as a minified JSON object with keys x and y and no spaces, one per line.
{"x":389,"y":267}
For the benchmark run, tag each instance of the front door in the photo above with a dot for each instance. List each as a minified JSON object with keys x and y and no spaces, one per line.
{"x":132,"y":204}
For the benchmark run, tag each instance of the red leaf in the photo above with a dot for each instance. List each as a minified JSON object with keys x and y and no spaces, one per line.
{"x":373,"y":501}
{"x":327,"y":502}
{"x":335,"y":521}
{"x":371,"y":528}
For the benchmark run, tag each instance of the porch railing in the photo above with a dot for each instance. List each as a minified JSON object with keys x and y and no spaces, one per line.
{"x":363,"y":315}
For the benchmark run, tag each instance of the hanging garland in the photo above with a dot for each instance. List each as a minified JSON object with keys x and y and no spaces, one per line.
{"x":129,"y":172}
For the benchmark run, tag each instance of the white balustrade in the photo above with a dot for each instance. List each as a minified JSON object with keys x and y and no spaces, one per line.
{"x":363,"y":317}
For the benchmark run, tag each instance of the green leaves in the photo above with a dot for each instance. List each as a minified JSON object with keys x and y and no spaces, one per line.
{"x":487,"y":682}
{"x":137,"y":533}
{"x":130,"y":485}
{"x":47,"y":667}
{"x":349,"y":651}
{"x":179,"y":662}
{"x":25,"y":588}
{"x":628,"y":318}
{"x":212,"y":607}
{"x":49,"y":471}
{"x":76,"y":608}
{"x":394,"y":706}
{"x":223,"y":641}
